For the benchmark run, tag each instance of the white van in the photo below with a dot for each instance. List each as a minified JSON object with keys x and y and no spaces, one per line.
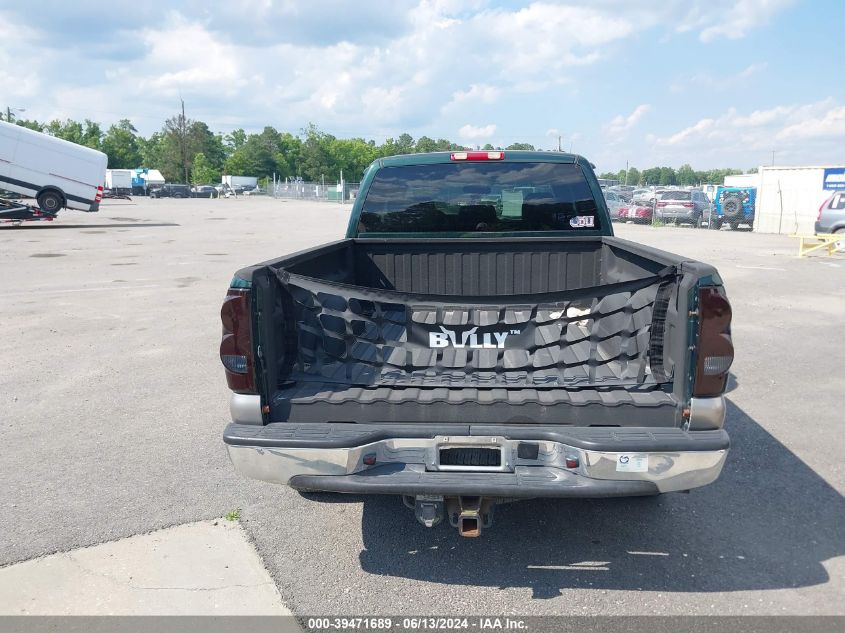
{"x":56,"y":173}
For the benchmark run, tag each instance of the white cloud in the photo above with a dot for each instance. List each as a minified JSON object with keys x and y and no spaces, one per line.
{"x":622,"y":124}
{"x":475,"y":94}
{"x":803,"y":133}
{"x":744,"y":15}
{"x":752,"y":69}
{"x":722,"y":83}
{"x":473,"y":133}
{"x":375,"y":68}
{"x":831,"y":125}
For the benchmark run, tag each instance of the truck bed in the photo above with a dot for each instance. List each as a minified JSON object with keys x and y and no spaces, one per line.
{"x":489,"y":331}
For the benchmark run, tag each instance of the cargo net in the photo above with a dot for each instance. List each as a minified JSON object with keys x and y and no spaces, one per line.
{"x":603,"y":336}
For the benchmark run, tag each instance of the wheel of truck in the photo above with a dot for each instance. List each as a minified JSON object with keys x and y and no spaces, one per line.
{"x":734,"y":226}
{"x":50,"y":202}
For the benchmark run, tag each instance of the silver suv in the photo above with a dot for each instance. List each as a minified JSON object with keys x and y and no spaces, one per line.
{"x":831,"y":218}
{"x":682,"y":206}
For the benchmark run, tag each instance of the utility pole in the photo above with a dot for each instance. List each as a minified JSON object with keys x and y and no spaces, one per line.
{"x":10,"y":116}
{"x":558,"y":143}
{"x":626,"y":172}
{"x":773,"y":158}
{"x":183,"y":141}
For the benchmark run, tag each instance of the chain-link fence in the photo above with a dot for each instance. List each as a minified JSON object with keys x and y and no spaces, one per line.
{"x":297,"y":190}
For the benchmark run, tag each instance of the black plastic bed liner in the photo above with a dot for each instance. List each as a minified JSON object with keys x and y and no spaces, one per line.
{"x":328,"y":402}
{"x":609,"y":439}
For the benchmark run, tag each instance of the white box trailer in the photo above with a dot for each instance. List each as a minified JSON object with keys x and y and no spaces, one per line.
{"x":119,"y":180}
{"x":789,"y":197}
{"x":240,"y":181}
{"x":55,"y":172}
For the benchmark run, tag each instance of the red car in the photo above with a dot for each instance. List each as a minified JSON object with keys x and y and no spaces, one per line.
{"x":636,"y":213}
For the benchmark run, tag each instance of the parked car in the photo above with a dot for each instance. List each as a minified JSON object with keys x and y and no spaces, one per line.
{"x":677,"y":206}
{"x":645,"y":196}
{"x":413,"y":358}
{"x":171,"y":191}
{"x":733,"y":205}
{"x":626,"y":192}
{"x":55,"y":172}
{"x":204,"y":191}
{"x":637,"y":213}
{"x":614,"y":202}
{"x":831,"y":218}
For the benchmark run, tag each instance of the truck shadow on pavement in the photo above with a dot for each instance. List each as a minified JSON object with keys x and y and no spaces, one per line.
{"x":769,"y":522}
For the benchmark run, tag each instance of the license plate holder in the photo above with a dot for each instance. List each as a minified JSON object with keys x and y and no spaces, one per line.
{"x":470,"y":454}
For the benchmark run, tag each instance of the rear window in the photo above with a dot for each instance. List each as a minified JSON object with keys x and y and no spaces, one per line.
{"x":837,"y":202}
{"x":479,"y":197}
{"x":675,"y":195}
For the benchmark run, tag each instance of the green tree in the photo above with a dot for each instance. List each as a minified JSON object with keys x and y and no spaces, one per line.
{"x":288,"y":158}
{"x":521,"y":146}
{"x":121,"y":145}
{"x":633,"y":176}
{"x":687,"y":175}
{"x":235,"y":139}
{"x":202,"y":171}
{"x":69,"y":130}
{"x":650,"y":176}
{"x":315,"y":163}
{"x":92,"y":134}
{"x":352,"y":156}
{"x":238,"y":164}
{"x":262,"y":153}
{"x":405,"y":144}
{"x":152,"y":150}
{"x":202,"y":140}
{"x":667,"y":176}
{"x":425,"y":144}
{"x":31,"y":124}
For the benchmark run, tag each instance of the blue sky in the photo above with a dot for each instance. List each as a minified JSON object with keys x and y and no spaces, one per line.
{"x":713,"y":83}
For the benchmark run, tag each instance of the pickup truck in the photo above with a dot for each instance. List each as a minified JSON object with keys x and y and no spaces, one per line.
{"x":479,"y":336}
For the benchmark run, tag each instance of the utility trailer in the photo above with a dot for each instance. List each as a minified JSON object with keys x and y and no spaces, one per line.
{"x":14,"y":212}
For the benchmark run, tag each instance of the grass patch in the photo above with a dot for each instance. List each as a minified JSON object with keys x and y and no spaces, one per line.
{"x":234,"y":515}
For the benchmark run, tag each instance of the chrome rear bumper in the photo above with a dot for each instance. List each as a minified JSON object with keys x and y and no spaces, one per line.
{"x":411,"y":466}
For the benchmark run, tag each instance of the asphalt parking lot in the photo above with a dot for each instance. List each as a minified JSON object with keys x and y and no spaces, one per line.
{"x":113,"y":402}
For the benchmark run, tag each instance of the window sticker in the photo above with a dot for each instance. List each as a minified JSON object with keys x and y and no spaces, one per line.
{"x":582,"y":222}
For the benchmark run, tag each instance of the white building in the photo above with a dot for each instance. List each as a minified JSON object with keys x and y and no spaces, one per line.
{"x":788,"y":198}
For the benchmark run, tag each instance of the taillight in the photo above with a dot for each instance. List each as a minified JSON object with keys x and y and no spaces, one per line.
{"x":236,"y":346}
{"x":687,"y":205}
{"x":99,"y":196}
{"x":661,"y":204}
{"x":821,"y":209}
{"x":478,"y":155}
{"x":715,"y":348}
